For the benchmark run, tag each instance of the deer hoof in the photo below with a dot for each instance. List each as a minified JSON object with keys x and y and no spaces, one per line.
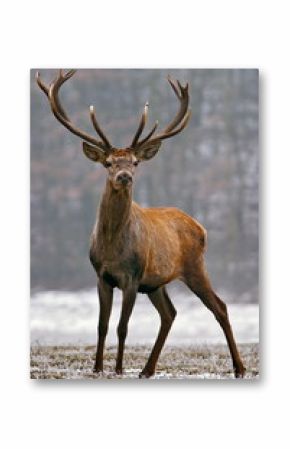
{"x":145,"y":375}
{"x":240,"y":373}
{"x":97,"y":369}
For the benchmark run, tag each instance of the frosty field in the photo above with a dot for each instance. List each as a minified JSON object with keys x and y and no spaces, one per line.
{"x":63,"y":338}
{"x":194,"y":362}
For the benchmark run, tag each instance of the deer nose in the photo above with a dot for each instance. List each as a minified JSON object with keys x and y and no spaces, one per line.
{"x":124,"y":177}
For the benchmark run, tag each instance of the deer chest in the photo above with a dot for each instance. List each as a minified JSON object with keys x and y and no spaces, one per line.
{"x":117,"y":271}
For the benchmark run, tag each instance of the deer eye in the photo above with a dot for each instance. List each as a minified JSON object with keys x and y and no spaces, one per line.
{"x":108,"y":164}
{"x":136,"y":163}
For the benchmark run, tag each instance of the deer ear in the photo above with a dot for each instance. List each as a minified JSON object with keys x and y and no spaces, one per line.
{"x":96,"y":154}
{"x":148,"y":150}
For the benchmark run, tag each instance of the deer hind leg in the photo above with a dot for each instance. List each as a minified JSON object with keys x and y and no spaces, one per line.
{"x":200,"y":285}
{"x":167,"y":312}
{"x":105,"y":299}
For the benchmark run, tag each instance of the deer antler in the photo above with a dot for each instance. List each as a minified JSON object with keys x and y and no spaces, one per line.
{"x":51,"y":92}
{"x":181,"y":118}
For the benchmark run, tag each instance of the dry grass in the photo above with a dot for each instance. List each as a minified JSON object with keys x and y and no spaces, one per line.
{"x":195,"y":362}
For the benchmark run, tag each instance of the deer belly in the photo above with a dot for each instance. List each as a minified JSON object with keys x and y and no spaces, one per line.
{"x":161,"y":269}
{"x":150,"y":283}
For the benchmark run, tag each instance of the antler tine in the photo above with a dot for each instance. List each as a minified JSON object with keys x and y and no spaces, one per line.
{"x":176,"y":125}
{"x":41,"y":84}
{"x":172,"y":133}
{"x":184,"y":100}
{"x":68,"y":74}
{"x":175,"y":131}
{"x":141,"y":125}
{"x":171,"y":82}
{"x":97,"y":127}
{"x":58,"y":82}
{"x":149,"y":134}
{"x":52,"y":93}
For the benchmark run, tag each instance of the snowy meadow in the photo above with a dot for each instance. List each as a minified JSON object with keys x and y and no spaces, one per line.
{"x":63,"y":335}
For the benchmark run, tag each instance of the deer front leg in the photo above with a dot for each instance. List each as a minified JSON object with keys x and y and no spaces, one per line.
{"x":105,"y":299}
{"x":129,"y":298}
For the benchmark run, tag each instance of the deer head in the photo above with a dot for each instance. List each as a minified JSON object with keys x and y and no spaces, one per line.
{"x":119,"y":162}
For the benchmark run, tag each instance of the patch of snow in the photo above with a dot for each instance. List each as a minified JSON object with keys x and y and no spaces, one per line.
{"x":71,"y":318}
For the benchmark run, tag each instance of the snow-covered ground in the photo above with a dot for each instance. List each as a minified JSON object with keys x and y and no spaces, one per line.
{"x":71,"y":318}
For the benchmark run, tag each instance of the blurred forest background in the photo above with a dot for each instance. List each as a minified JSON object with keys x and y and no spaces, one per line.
{"x":210,"y":170}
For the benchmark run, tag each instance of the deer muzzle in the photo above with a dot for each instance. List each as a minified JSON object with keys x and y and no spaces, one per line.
{"x":124,"y":178}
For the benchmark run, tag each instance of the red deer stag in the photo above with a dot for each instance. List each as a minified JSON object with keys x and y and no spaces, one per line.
{"x":141,"y":249}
